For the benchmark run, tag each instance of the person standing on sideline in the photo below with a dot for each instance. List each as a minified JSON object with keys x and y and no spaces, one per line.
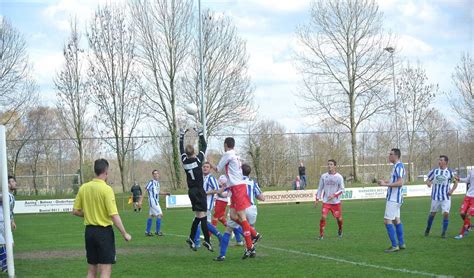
{"x":394,"y":202}
{"x":153,"y":190}
{"x":331,"y":187}
{"x":95,"y":202}
{"x":11,"y":199}
{"x":302,"y":174}
{"x":467,"y":207}
{"x":439,"y":180}
{"x":136,"y":195}
{"x":192,"y":165}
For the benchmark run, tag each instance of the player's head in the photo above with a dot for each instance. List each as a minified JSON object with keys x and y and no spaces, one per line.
{"x":189,"y":150}
{"x":246,"y":169}
{"x":11,"y":182}
{"x":443,"y":161}
{"x":155,"y":174}
{"x":332,"y":165}
{"x":222,"y":180}
{"x":229,"y":143}
{"x":394,"y":155}
{"x":101,"y":168}
{"x":206,"y":168}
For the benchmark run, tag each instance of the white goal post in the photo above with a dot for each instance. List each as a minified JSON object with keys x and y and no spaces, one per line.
{"x":6,"y":202}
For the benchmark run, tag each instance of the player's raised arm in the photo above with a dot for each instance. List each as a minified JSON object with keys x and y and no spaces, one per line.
{"x":202,"y":144}
{"x":182,"y":131}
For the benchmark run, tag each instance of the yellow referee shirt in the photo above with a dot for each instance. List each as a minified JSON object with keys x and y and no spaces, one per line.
{"x":97,"y":200}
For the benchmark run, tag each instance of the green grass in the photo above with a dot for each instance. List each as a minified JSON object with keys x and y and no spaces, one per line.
{"x":51,"y":245}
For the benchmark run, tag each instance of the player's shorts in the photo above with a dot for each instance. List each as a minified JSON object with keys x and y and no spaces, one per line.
{"x":136,"y":199}
{"x":100,"y":245}
{"x":239,"y":199}
{"x":3,"y":239}
{"x":392,"y":210}
{"x":155,"y":210}
{"x":335,"y":209}
{"x":198,"y":198}
{"x":445,"y":205}
{"x":219,"y":209}
{"x":467,"y":206}
{"x":251,"y":215}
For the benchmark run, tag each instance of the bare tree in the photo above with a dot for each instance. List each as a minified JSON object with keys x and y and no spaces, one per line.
{"x":73,"y":98}
{"x":433,"y":136}
{"x":113,"y":79}
{"x":462,"y":101}
{"x":414,"y":105}
{"x":17,"y":88}
{"x":43,"y":127}
{"x":227,"y":86}
{"x":164,"y":35}
{"x":344,"y":65}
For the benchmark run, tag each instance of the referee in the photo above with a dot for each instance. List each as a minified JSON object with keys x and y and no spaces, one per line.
{"x":95,"y":201}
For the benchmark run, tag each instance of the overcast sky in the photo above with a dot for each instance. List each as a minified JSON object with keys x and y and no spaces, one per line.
{"x":433,"y":32}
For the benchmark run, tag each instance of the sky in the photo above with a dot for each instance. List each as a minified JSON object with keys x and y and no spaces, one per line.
{"x":431,"y":32}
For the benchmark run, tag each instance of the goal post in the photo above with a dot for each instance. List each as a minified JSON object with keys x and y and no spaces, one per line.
{"x":6,"y":202}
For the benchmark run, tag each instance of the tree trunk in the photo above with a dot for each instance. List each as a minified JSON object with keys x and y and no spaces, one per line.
{"x":81,"y":161}
{"x":176,"y":160}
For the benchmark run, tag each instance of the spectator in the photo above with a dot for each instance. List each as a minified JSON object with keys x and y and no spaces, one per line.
{"x":302,"y":174}
{"x":297,"y":184}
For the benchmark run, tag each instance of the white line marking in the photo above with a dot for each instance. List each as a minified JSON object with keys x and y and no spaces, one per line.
{"x":403,"y":270}
{"x":354,"y":263}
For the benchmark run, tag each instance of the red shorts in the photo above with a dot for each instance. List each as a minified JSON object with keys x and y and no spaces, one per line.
{"x":219,"y":209}
{"x":467,"y":206}
{"x":335,"y":209}
{"x":239,"y":199}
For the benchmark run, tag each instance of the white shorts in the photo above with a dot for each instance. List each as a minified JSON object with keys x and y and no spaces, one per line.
{"x":392,"y":210}
{"x":250,"y":213}
{"x":445,"y":205}
{"x":155,"y":210}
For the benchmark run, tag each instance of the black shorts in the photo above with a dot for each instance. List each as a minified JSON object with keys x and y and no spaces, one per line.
{"x":100,"y":245}
{"x":198,"y":198}
{"x":136,"y":199}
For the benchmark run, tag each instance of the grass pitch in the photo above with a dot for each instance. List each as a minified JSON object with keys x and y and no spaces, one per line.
{"x":51,"y":245}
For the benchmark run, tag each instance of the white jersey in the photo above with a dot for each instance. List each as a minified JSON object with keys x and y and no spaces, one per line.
{"x":470,"y":183}
{"x":230,"y":161}
{"x":330,"y":185}
{"x":210,"y":183}
{"x":441,"y":180}
{"x":153,"y":188}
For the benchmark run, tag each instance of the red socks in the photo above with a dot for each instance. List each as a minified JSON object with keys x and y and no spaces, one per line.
{"x":214,"y":222}
{"x":322,"y":225}
{"x":247,"y":233}
{"x":467,"y":224}
{"x":223,"y":220}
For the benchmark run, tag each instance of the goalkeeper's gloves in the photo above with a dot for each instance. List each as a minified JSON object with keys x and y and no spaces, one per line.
{"x":199,"y":130}
{"x":182,"y":131}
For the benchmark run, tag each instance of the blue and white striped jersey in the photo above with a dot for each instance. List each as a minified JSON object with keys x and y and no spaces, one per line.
{"x":394,"y":194}
{"x":210,"y":183}
{"x":253,"y":190}
{"x":153,"y":189}
{"x":441,"y":179}
{"x":12,"y":206}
